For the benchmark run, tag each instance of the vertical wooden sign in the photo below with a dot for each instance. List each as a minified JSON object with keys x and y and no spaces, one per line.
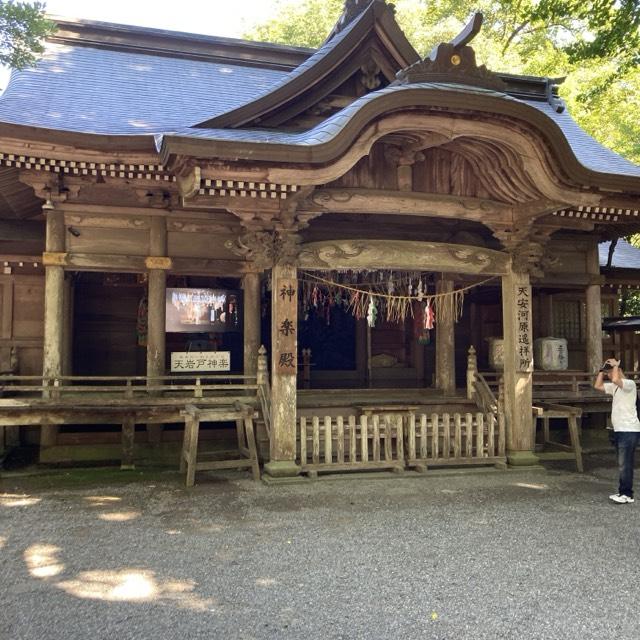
{"x":524,"y":344}
{"x":285,"y":320}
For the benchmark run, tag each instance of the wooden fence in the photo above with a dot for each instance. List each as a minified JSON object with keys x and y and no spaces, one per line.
{"x":397,"y":441}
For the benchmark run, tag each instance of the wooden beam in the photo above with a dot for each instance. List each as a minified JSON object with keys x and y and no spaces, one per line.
{"x":407,"y":203}
{"x":402,"y":254}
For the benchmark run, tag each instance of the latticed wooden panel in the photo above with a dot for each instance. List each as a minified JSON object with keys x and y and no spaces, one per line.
{"x":399,"y":440}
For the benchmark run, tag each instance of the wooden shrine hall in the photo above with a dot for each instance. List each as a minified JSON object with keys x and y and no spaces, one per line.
{"x":170,"y":204}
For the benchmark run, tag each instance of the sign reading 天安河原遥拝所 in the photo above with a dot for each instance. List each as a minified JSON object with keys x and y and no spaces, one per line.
{"x":193,"y":361}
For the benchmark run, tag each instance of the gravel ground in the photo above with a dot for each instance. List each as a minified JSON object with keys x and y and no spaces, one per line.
{"x":511,"y":554}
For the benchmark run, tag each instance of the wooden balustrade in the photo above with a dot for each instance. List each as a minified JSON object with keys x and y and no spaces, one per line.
{"x":399,"y":440}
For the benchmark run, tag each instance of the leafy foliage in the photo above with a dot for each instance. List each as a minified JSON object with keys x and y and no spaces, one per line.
{"x":23,"y":27}
{"x":596,"y":43}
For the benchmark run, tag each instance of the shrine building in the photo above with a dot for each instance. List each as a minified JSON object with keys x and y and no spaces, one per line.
{"x":364,"y":247}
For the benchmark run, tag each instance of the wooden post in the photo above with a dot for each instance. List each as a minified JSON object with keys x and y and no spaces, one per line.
{"x":54,"y":307}
{"x":284,"y":368}
{"x":445,"y":341}
{"x":518,"y":367}
{"x":54,"y":298}
{"x":593,"y":344}
{"x":156,"y":321}
{"x":472,"y":369}
{"x":262,"y":376}
{"x":251,"y":288}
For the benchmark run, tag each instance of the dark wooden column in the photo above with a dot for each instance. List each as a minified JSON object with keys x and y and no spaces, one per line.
{"x":593,"y":336}
{"x":518,"y":368}
{"x":54,"y":308}
{"x":445,"y":338}
{"x":284,"y":367}
{"x":157,"y":264}
{"x":53,"y":295}
{"x":251,"y":300}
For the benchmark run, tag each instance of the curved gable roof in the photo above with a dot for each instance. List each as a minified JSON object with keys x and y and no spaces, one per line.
{"x":583,"y":157}
{"x":336,"y":52}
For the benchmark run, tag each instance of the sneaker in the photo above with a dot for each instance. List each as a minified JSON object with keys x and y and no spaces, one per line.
{"x":621,"y":499}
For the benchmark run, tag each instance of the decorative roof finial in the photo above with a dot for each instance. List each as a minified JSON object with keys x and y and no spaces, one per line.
{"x":352,"y":9}
{"x":453,"y":62}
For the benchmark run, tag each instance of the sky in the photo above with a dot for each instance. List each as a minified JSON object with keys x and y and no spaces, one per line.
{"x":229,"y":18}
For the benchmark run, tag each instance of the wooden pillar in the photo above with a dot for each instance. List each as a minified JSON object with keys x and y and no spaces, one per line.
{"x":251,"y":300}
{"x":472,"y":370}
{"x":67,"y":340}
{"x":54,"y":310}
{"x":445,"y":340}
{"x":593,"y":336}
{"x":156,"y":338}
{"x":518,"y":368}
{"x":284,"y":367}
{"x":53,"y":297}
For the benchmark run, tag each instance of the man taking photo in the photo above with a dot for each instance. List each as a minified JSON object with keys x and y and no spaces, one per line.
{"x":626,"y":426}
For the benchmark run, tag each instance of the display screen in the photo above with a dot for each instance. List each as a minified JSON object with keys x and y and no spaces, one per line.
{"x":196,"y":310}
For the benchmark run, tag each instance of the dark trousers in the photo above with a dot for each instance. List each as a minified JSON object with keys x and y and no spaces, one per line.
{"x":626,"y":443}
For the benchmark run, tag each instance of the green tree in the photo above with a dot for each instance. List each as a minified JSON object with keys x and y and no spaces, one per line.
{"x":303,"y":24}
{"x":597,"y":29}
{"x":23,"y":27}
{"x":590,"y":41}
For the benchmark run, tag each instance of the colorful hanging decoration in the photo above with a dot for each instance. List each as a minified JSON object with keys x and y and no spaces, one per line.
{"x":373,"y":294}
{"x":429,"y":315}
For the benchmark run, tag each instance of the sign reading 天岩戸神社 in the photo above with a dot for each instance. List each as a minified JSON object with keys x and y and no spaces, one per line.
{"x":194,"y":361}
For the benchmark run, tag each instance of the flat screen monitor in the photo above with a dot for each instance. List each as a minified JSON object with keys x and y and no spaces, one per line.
{"x":190,"y":310}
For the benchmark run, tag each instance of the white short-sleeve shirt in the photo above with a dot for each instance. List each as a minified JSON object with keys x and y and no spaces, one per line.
{"x":624,"y":416}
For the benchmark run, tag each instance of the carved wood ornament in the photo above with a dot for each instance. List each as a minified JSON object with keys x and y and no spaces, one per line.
{"x":453,"y":62}
{"x":267,"y":248}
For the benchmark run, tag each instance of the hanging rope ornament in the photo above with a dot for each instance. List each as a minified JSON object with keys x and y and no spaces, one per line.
{"x":368,"y":299}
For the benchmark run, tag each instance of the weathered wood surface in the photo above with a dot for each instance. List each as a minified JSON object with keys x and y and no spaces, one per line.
{"x":284,"y":323}
{"x":331,"y":444}
{"x":547,"y":411}
{"x":402,"y":254}
{"x":518,"y":361}
{"x":246,"y":456}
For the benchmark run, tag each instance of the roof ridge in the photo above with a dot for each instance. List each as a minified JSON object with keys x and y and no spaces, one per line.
{"x":179,"y":44}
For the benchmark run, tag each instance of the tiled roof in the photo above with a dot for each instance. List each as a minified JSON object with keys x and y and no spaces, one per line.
{"x":588,"y":151}
{"x":119,"y":91}
{"x":625,"y":255}
{"x":311,"y":62}
{"x":98,"y":90}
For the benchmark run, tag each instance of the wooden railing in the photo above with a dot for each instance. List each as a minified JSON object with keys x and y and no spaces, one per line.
{"x":264,"y":390}
{"x":485,"y":398}
{"x":397,"y":441}
{"x":90,"y":399}
{"x":478,"y":388}
{"x":125,"y":387}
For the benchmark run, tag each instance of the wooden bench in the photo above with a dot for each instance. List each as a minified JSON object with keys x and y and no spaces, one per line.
{"x":546,"y":411}
{"x":18,"y":412}
{"x":243,"y":416}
